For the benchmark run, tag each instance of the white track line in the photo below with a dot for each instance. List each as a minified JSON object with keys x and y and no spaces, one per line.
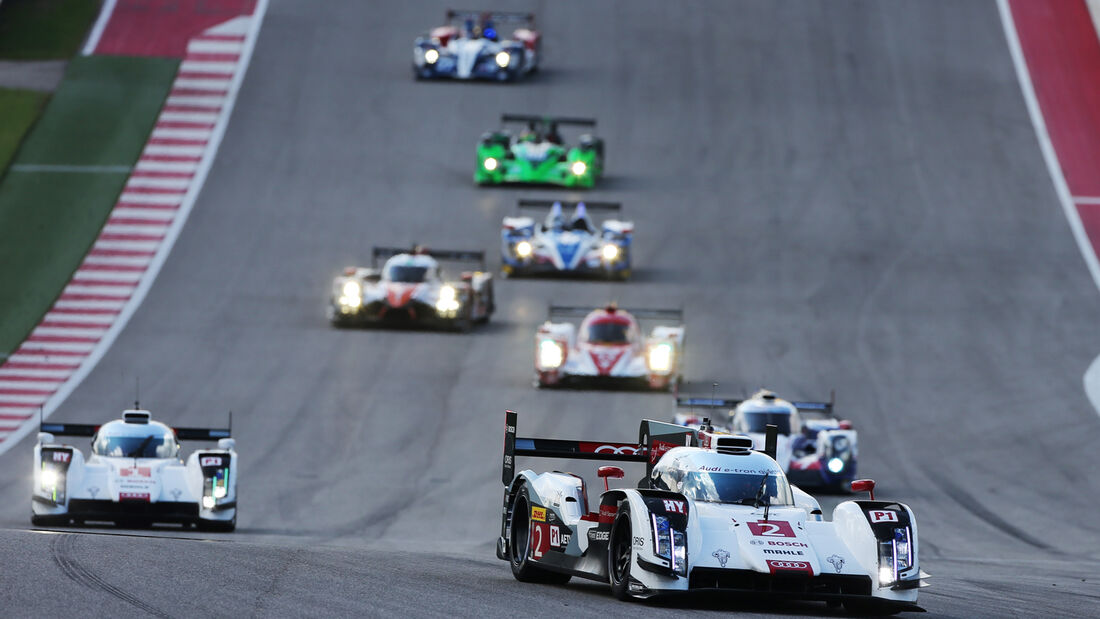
{"x":1091,"y":378}
{"x":99,"y":27}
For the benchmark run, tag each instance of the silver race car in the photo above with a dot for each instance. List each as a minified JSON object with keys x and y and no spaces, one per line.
{"x":711,"y":514}
{"x":134,"y":475}
{"x":572,"y":246}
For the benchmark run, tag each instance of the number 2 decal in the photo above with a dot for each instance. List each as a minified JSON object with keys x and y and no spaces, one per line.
{"x":771,"y":528}
{"x":536,"y":548}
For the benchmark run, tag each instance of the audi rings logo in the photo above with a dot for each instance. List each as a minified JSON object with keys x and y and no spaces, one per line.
{"x":624,"y":450}
{"x":789,"y":565}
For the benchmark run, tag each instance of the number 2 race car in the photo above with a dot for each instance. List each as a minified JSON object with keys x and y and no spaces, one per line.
{"x":575,"y":246}
{"x":411,"y":289}
{"x":711,"y":514}
{"x":469,"y":47}
{"x":538,"y":155}
{"x":134,"y":475}
{"x":815,"y":448}
{"x":609,"y":348}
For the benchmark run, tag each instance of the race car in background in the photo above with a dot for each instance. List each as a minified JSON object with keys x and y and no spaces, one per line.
{"x":711,"y":514}
{"x":538,"y":155}
{"x":608,"y":347}
{"x":814,"y":447}
{"x":134,"y":475}
{"x":469,"y":46}
{"x":567,"y":246}
{"x":410,"y":288}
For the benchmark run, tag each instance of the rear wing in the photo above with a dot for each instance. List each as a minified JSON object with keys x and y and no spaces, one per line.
{"x":654,"y":439}
{"x":202,"y":434}
{"x":821,"y":408}
{"x":722,"y":403}
{"x":603,"y":206}
{"x":561,"y":120}
{"x":452,"y":255}
{"x":183,"y":434}
{"x":503,"y":17}
{"x":573,"y":311}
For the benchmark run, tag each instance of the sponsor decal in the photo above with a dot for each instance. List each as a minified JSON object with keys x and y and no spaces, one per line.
{"x":658,"y":449}
{"x":773,"y":542}
{"x":771,"y":528}
{"x":783,"y":551}
{"x":210,"y":461}
{"x":607,"y":513}
{"x":509,"y":429}
{"x":139,"y":471}
{"x":61,"y":456}
{"x":639,"y":541}
{"x":801,"y":567}
{"x":598,"y":536}
{"x":559,"y":538}
{"x":837,"y":561}
{"x":883,"y":515}
{"x":704,"y":441}
{"x":538,"y":513}
{"x":133,"y":496}
{"x":605,"y":359}
{"x":722,"y":556}
{"x":176,"y":492}
{"x":609,"y":448}
{"x":757,"y":542}
{"x":675,"y":507}
{"x":540,"y":539}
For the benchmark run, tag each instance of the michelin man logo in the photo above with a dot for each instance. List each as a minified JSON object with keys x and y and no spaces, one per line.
{"x":837,"y":561}
{"x":721,"y":555}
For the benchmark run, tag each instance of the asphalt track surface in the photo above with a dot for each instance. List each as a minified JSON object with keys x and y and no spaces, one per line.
{"x":841,"y":195}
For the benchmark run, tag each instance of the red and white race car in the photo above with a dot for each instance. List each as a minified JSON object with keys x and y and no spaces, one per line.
{"x":609,"y":347}
{"x":411,"y":289}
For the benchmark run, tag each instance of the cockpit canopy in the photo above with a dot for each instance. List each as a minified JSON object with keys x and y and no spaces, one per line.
{"x":119,"y":439}
{"x":751,"y":478}
{"x":606,"y":328}
{"x":409,"y":269}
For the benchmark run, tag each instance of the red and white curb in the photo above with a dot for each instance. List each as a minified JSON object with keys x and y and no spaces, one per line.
{"x":143,"y":226}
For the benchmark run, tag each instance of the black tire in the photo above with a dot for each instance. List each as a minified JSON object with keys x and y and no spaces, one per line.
{"x":519,"y":532}
{"x":620,"y":554}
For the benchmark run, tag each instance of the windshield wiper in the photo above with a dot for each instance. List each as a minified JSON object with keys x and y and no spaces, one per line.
{"x":760,"y":495}
{"x":140,"y":448}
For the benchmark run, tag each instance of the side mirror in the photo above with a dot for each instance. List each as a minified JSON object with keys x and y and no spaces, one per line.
{"x":864,"y":485}
{"x":609,"y":472}
{"x":45,"y":438}
{"x":227,"y":444}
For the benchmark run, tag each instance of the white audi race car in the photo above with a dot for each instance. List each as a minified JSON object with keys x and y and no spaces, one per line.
{"x":711,"y":514}
{"x":134,"y":475}
{"x":411,"y":288}
{"x":609,"y":347}
{"x":470,"y":46}
{"x":815,"y":449}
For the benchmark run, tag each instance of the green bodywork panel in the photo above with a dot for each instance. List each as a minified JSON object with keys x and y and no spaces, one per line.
{"x":553,"y":165}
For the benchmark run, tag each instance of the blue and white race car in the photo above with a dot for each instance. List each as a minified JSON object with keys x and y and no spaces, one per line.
{"x":574,"y":246}
{"x":469,"y":46}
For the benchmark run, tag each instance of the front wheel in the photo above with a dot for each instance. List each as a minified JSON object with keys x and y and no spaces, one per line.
{"x":619,"y":555}
{"x":519,"y":545}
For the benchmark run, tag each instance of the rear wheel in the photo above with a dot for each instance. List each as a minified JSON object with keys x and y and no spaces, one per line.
{"x":519,"y":545}
{"x":619,"y":555}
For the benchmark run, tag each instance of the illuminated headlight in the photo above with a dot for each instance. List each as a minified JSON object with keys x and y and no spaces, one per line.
{"x":503,"y":58}
{"x":579,"y":168}
{"x":490,"y":163}
{"x":448,"y":300}
{"x":835,"y":465}
{"x":49,"y":479}
{"x":895,"y":555}
{"x":220,"y":492}
{"x":550,"y":354}
{"x":208,"y":502}
{"x":679,"y":552}
{"x":610,"y":252}
{"x":524,"y":249}
{"x":431,"y":56}
{"x":448,"y":293}
{"x":670,"y":544}
{"x":660,"y":357}
{"x":351,"y":294}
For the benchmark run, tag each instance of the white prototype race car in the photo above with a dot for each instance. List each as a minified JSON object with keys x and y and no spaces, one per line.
{"x":609,"y":347}
{"x":134,"y":475}
{"x":411,"y":288}
{"x":469,"y":46}
{"x":711,"y":514}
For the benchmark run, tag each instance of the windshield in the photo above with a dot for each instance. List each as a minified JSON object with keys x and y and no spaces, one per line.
{"x":608,"y":332}
{"x":736,"y":488}
{"x":406,"y":274}
{"x":758,"y":422}
{"x":152,"y":446}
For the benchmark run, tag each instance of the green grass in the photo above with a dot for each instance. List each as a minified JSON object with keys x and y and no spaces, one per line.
{"x":41,"y":29}
{"x":18,"y":108}
{"x":101,"y":115}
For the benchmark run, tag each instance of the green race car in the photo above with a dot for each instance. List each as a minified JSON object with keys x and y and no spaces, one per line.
{"x":538,"y":155}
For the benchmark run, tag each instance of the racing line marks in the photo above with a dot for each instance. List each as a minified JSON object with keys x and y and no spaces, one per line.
{"x":125,"y":258}
{"x":61,"y":550}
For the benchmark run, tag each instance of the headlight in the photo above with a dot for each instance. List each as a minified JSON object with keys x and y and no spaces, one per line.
{"x":490,"y":163}
{"x":503,"y":58}
{"x":579,"y":168}
{"x":670,"y":544}
{"x":610,"y":252}
{"x":835,"y":465}
{"x":903,"y":548}
{"x":448,"y":302}
{"x":208,"y":502}
{"x":447,"y":293}
{"x":49,"y":479}
{"x":895,"y":555}
{"x":352,"y":289}
{"x":660,"y":357}
{"x":351,"y":294}
{"x":524,"y":249}
{"x":550,"y":355}
{"x":431,"y":56}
